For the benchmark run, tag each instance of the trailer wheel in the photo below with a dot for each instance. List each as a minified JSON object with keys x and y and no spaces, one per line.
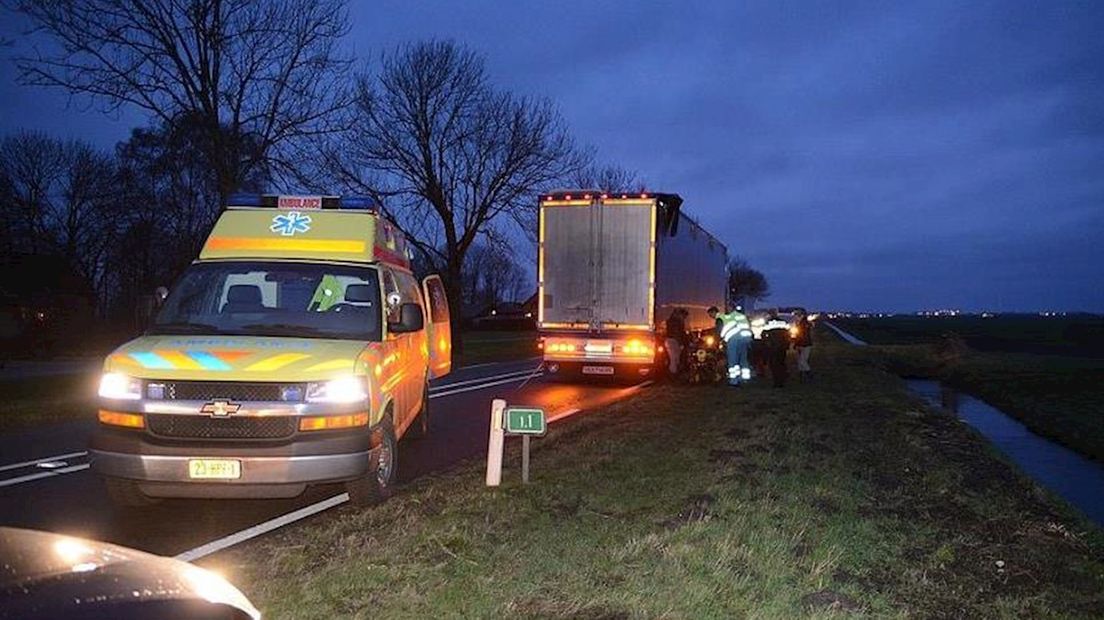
{"x":376,"y":486}
{"x":125,"y":494}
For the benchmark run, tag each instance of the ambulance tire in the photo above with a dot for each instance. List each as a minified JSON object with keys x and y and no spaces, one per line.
{"x":125,"y":494}
{"x":419,"y":428}
{"x":376,"y":486}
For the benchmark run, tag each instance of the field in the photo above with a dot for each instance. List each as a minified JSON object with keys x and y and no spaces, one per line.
{"x":1074,"y":336}
{"x":498,"y":346}
{"x":839,"y":497}
{"x":1047,"y":372}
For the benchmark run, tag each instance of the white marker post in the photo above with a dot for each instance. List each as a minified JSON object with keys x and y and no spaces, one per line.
{"x":495,"y":443}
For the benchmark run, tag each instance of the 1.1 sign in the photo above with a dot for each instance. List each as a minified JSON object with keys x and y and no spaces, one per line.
{"x":525,"y":421}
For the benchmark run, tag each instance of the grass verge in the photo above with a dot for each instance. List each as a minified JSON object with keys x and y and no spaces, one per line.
{"x":483,"y":347}
{"x":838,"y":497}
{"x":43,"y":400}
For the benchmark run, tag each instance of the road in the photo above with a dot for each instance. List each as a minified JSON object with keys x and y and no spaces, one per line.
{"x":45,"y":483}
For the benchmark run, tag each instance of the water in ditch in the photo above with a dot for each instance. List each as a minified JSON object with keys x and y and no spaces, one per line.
{"x":1074,"y":477}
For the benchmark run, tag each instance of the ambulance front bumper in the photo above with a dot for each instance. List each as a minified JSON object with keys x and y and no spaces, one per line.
{"x":163,"y":469}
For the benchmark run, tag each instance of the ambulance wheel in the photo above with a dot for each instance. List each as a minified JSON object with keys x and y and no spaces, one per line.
{"x":376,"y":486}
{"x":419,"y":428}
{"x":126,"y":495}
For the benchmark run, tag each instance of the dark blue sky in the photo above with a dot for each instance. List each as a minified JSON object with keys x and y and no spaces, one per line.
{"x":883,"y":156}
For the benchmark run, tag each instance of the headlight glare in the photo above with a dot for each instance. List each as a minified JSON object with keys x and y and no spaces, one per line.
{"x":118,"y":386}
{"x":340,"y":390}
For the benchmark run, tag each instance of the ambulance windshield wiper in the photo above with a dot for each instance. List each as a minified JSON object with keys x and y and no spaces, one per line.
{"x":184,"y":327}
{"x":281,"y":329}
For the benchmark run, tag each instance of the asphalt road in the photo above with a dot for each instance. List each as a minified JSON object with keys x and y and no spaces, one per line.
{"x":45,"y":483}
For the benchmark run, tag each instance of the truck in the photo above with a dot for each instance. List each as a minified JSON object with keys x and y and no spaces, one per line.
{"x":296,"y":350}
{"x":611,"y":268}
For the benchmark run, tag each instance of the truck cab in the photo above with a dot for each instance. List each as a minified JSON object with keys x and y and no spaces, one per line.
{"x":296,"y":350}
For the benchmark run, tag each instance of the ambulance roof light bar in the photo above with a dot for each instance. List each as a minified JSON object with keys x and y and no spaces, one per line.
{"x":277,"y":201}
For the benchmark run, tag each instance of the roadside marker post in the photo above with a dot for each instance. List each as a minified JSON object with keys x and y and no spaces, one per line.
{"x":495,"y":444}
{"x":524,"y":421}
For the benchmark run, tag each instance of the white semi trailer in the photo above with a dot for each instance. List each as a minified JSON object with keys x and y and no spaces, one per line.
{"x":611,"y":269}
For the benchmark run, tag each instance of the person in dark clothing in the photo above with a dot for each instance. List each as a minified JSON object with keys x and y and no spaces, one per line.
{"x":776,"y":337}
{"x":803,"y":344}
{"x":677,"y":339}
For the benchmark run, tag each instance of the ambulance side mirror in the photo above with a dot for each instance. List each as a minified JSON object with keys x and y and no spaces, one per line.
{"x":159,"y":295}
{"x":410,"y":319}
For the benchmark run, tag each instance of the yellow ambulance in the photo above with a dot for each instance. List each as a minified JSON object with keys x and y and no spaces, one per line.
{"x":297,"y":350}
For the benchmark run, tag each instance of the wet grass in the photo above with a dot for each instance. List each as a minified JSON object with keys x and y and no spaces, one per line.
{"x":840,"y":497}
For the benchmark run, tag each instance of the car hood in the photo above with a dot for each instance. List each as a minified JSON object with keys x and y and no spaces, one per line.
{"x":45,"y":575}
{"x":244,"y":358}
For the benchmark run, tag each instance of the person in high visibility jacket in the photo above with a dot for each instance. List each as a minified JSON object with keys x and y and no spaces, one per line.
{"x":735,"y":331}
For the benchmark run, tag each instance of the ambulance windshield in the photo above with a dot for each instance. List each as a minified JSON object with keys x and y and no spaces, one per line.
{"x":303,"y":300}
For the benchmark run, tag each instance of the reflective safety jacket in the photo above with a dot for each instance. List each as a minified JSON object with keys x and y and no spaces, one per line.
{"x":733,"y":325}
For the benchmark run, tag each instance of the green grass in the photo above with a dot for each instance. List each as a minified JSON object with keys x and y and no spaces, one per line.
{"x":481,"y":347}
{"x":43,"y":400}
{"x":839,"y":497}
{"x":1057,"y":396}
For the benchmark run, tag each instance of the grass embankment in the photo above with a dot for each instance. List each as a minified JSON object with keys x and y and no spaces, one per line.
{"x":42,"y":400}
{"x":840,"y":496}
{"x":1057,"y":396}
{"x":486,"y":346}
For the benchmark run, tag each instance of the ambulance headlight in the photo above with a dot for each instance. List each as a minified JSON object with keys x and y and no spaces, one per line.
{"x":341,"y":390}
{"x":117,"y":386}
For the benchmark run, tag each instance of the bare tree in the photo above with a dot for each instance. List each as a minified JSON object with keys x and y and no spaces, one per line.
{"x":609,"y":179}
{"x":31,"y":164}
{"x":448,"y":154}
{"x":746,"y":283}
{"x":86,"y":214}
{"x":254,"y":75}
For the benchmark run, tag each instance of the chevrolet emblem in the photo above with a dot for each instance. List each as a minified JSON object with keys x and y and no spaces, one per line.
{"x":220,"y":408}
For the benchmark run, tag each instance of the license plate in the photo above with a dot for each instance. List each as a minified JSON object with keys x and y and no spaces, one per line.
{"x":214,"y":469}
{"x":597,"y":370}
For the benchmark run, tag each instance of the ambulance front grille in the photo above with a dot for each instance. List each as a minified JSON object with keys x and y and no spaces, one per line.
{"x":203,"y":427}
{"x":236,"y":391}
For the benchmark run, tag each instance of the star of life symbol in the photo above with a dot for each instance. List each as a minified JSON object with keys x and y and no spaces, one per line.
{"x":289,"y":223}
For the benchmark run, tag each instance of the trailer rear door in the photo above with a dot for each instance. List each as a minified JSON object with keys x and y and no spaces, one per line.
{"x":624,"y":255}
{"x":596,"y":263}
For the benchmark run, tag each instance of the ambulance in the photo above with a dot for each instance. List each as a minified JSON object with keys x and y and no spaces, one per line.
{"x":297,"y":350}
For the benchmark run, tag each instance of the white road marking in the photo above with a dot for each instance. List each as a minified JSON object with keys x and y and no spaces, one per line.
{"x":563,"y":414}
{"x":43,"y":474}
{"x":297,"y":515}
{"x":45,"y":459}
{"x":447,"y":386}
{"x":846,"y":336}
{"x":528,"y":359}
{"x":261,"y":528}
{"x":482,"y":386}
